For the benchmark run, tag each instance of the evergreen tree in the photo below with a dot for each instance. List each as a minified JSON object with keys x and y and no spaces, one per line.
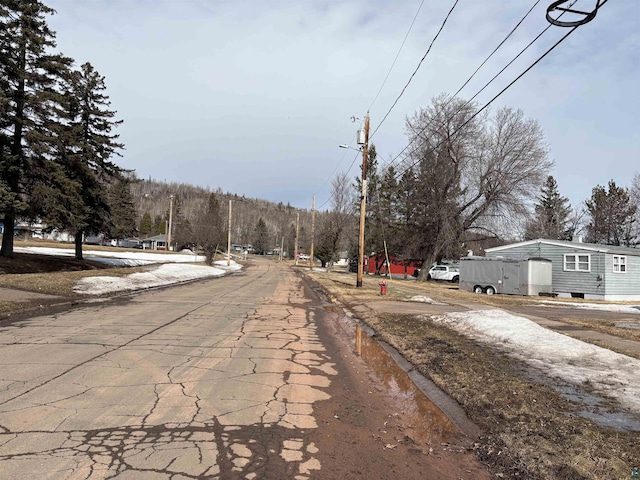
{"x":90,"y":146}
{"x":260,"y":237}
{"x":612,"y":216}
{"x":208,"y":229}
{"x":552,"y":214}
{"x":146,"y":225}
{"x":28,"y":96}
{"x":122,"y":218}
{"x":159,"y":225}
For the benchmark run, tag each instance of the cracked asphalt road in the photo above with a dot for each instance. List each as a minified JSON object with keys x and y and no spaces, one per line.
{"x":226,"y":378}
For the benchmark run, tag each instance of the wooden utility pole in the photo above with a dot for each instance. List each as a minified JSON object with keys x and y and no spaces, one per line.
{"x":229,"y":238}
{"x":313,"y":229}
{"x":170,"y":222}
{"x":296,"y":242}
{"x":282,"y":248}
{"x":363,"y":201}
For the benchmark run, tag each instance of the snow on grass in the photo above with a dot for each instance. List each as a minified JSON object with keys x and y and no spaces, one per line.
{"x":611,"y":307}
{"x":136,"y":258}
{"x":608,"y":373}
{"x":165,"y":274}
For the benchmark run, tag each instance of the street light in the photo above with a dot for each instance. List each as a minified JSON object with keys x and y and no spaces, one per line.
{"x":344,"y":145}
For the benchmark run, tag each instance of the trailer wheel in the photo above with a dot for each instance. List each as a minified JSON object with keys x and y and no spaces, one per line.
{"x":491,"y":290}
{"x":477,"y":289}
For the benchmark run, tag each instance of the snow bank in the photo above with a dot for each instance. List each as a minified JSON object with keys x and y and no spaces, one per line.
{"x":609,"y":373}
{"x":100,"y":255}
{"x":162,"y":275}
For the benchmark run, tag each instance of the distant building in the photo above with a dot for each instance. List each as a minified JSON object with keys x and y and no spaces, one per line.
{"x":158,"y":242}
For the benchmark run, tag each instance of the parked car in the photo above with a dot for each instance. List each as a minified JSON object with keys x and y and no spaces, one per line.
{"x":444,"y":273}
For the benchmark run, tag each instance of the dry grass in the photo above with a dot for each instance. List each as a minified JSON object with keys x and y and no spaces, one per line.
{"x":59,"y":283}
{"x":529,"y":430}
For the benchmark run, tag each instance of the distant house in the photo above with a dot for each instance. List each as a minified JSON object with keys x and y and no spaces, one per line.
{"x":583,"y":270}
{"x":159,"y":242}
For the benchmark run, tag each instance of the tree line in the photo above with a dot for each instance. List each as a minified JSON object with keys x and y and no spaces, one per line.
{"x":57,"y":139}
{"x":470,"y":181}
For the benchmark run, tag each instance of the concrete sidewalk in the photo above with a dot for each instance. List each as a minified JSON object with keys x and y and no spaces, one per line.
{"x":21,"y":296}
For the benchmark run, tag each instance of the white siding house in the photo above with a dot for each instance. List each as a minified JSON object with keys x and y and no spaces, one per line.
{"x":583,"y":270}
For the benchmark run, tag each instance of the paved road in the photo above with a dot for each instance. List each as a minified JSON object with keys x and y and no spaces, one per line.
{"x":227,"y":378}
{"x":162,"y":383}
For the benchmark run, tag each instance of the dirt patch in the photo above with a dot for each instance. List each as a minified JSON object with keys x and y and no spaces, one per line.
{"x":529,"y":429}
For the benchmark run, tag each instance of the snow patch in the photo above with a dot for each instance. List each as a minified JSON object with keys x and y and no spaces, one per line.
{"x":609,"y":373}
{"x":611,"y":307}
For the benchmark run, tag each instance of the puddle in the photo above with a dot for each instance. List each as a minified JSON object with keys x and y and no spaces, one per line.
{"x":631,"y":325}
{"x":592,"y":407}
{"x":422,"y":419}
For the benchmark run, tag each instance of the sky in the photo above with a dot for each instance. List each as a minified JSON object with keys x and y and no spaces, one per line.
{"x":606,"y":373}
{"x":254,"y":97}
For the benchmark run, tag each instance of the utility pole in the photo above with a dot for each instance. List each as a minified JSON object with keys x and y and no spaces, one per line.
{"x":282,"y":248}
{"x":229,"y":238}
{"x":296,"y":242}
{"x":313,"y":229}
{"x":170,"y":222}
{"x":363,"y":200}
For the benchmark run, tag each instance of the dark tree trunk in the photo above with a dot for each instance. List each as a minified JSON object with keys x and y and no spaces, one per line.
{"x":78,"y":243}
{"x":7,"y":236}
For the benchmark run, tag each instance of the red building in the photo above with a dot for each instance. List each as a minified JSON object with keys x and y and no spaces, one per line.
{"x":377,"y":264}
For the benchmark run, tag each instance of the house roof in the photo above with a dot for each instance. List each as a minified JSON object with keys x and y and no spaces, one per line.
{"x":594,"y":247}
{"x":162,"y":238}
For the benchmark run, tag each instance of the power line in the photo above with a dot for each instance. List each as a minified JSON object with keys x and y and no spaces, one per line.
{"x":485,"y":85}
{"x":348,"y":170}
{"x":497,"y":48}
{"x":397,"y":55}
{"x":417,"y":68}
{"x":492,"y":100}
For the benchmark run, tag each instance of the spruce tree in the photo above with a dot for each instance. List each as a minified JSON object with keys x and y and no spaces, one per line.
{"x":88,"y":148}
{"x":122,"y":211}
{"x":29,"y":75}
{"x":551,"y":214}
{"x":260,"y":237}
{"x":612,"y":216}
{"x":146,"y":224}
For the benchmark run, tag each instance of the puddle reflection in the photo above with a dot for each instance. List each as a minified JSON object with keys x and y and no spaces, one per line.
{"x":423,"y":420}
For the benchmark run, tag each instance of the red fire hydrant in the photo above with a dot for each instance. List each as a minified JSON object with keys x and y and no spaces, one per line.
{"x":383,"y":287}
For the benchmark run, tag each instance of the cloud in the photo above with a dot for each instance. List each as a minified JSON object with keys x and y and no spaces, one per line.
{"x":254,"y":97}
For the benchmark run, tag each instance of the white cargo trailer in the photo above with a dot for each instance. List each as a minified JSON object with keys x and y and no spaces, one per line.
{"x":529,"y":276}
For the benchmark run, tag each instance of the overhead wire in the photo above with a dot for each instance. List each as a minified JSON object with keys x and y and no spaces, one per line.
{"x":416,"y":69}
{"x":375,"y":98}
{"x":455,"y":132}
{"x":397,"y":55}
{"x":485,"y":85}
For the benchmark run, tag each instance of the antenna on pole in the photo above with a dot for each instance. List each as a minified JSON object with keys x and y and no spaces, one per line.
{"x":580,"y":16}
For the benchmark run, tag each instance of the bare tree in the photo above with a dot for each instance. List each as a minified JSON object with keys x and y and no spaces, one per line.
{"x":467,"y":173}
{"x":334,"y":222}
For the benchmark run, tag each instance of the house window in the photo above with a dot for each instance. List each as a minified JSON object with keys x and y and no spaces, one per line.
{"x":619,"y":264}
{"x":577,"y":263}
